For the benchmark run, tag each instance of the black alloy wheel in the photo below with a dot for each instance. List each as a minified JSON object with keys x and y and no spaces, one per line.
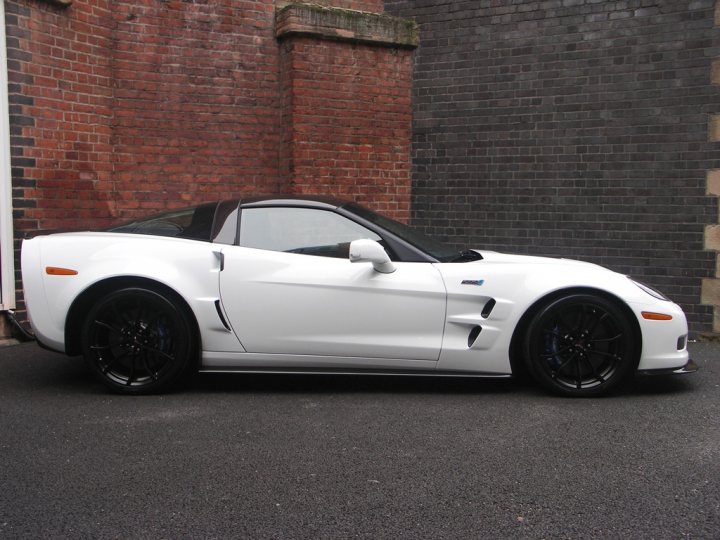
{"x":138,"y":341}
{"x":581,"y":345}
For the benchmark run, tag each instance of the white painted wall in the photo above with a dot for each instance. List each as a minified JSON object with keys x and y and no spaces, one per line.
{"x":7,"y":262}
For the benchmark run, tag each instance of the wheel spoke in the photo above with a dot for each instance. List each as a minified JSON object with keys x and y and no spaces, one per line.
{"x":607,"y":340}
{"x":156,"y":317}
{"x":595,"y":323}
{"x":607,"y":354}
{"x":578,"y":375}
{"x":141,"y":313}
{"x":108,"y":326}
{"x":119,"y":314}
{"x":114,"y":361}
{"x":594,"y":371}
{"x":580,"y":319}
{"x":562,"y":322}
{"x":559,"y":351}
{"x":132,"y":371}
{"x":152,"y":373}
{"x":159,"y":352}
{"x":562,"y":366}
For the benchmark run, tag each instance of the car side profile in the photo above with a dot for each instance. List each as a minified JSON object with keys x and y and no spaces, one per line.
{"x":316,"y":285}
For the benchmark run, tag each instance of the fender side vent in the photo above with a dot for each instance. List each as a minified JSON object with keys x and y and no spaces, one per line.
{"x":220,"y":316}
{"x":488,"y":308}
{"x":474,"y":333}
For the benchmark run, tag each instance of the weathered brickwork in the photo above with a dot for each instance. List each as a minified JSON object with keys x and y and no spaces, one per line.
{"x":196,"y":109}
{"x":60,"y":97}
{"x":349,"y":119}
{"x":570,"y":128}
{"x":369,"y":6}
{"x":346,"y":105}
{"x":122,"y":107}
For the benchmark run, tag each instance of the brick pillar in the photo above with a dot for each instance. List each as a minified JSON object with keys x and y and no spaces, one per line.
{"x":711,"y":286}
{"x":346,"y":79}
{"x":710,"y":294}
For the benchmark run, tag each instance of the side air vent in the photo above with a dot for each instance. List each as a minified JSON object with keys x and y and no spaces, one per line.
{"x":220,"y":315}
{"x":474,"y":333}
{"x":488,"y":308}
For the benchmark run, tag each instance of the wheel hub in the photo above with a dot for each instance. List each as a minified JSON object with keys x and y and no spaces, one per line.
{"x":136,"y":336}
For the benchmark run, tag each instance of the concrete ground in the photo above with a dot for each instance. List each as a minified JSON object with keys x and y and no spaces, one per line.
{"x":343,"y":457}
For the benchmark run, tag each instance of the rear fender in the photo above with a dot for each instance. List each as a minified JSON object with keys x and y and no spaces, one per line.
{"x":188,"y":268}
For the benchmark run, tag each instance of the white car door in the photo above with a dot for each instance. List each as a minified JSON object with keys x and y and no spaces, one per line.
{"x":282,"y":300}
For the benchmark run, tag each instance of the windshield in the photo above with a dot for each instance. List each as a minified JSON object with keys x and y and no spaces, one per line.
{"x":438,"y":250}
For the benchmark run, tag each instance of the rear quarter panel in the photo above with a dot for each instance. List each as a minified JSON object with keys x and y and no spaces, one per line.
{"x":190,"y":268}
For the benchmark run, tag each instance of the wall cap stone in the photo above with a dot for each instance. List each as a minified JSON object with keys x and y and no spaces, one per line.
{"x":713,"y":182}
{"x":712,"y":237}
{"x":61,"y":3}
{"x":345,"y":25}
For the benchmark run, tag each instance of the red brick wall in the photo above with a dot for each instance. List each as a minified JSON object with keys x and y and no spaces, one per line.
{"x":121,"y":107}
{"x":59,"y":70}
{"x":197,"y":113}
{"x":348,"y":120}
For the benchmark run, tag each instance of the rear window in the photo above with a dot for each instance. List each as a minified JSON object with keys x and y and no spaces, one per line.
{"x":192,"y":223}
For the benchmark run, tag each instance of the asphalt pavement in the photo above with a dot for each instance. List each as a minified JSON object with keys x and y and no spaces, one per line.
{"x":241,"y":456}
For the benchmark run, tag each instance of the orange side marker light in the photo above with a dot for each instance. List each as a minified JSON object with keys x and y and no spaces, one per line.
{"x":57,"y":271}
{"x":652,"y":316}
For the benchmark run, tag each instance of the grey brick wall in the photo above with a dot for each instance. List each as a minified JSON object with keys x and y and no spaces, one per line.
{"x":573,"y":128}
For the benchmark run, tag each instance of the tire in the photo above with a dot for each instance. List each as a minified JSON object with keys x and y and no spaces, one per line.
{"x":138,"y":341}
{"x":581,"y":345}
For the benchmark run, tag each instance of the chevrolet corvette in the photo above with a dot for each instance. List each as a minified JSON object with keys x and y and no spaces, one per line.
{"x":315,"y":285}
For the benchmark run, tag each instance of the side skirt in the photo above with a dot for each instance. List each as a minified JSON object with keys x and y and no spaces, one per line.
{"x":371,"y":372}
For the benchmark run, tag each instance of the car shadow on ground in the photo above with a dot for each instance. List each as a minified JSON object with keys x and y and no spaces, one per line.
{"x":40,"y":372}
{"x":322,"y":383}
{"x":319,"y":384}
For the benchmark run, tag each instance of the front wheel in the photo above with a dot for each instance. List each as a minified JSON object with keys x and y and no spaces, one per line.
{"x":581,"y":345}
{"x":138,"y":341}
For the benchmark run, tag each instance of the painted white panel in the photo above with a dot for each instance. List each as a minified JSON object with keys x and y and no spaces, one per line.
{"x":306,"y":305}
{"x":7,"y":262}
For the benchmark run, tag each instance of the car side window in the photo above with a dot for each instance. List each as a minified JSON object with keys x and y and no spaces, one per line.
{"x":192,"y":223}
{"x":306,"y":231}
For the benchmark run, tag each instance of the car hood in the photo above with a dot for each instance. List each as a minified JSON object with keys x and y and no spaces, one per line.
{"x":503,"y":275}
{"x":506,"y":258}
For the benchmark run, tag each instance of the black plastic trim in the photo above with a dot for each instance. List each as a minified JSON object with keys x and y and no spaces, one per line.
{"x":690,"y":367}
{"x":487,"y":308}
{"x":473,"y":335}
{"x":352,"y":371}
{"x":221,"y":316}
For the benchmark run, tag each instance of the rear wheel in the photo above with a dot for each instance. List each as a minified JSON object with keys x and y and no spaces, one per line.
{"x":581,"y":345}
{"x":138,"y":341}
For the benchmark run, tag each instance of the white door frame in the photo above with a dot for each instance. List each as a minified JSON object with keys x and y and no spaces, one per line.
{"x":7,"y":257}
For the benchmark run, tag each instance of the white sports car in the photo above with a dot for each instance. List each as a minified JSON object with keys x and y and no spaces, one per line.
{"x":315,"y":285}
